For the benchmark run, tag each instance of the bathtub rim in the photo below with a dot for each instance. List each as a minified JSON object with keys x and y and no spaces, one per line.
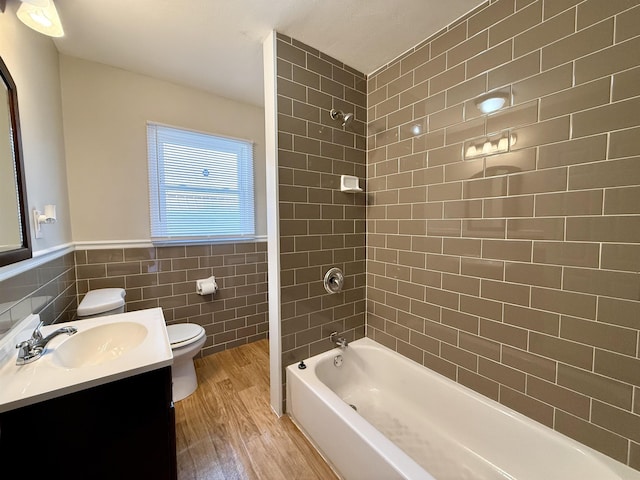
{"x":342,"y":409}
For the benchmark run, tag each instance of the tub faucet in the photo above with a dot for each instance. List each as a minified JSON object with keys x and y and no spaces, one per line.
{"x":339,"y":341}
{"x":32,"y":349}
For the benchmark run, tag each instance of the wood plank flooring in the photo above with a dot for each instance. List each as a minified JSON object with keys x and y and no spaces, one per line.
{"x":227,"y":431}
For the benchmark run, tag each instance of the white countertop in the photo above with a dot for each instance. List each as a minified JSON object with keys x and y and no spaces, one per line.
{"x":46,"y":378}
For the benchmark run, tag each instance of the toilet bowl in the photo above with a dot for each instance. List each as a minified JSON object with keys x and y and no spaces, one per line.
{"x":186,"y":340}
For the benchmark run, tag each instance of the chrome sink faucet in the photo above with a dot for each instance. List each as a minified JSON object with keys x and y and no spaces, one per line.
{"x":32,"y":349}
{"x":339,"y":341}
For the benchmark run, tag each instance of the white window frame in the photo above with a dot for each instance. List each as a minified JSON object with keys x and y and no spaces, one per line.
{"x":178,"y":159}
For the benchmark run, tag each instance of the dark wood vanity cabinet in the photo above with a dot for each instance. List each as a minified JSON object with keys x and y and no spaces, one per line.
{"x":120,"y":430}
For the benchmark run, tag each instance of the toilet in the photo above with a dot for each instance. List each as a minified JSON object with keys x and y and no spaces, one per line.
{"x":186,"y":339}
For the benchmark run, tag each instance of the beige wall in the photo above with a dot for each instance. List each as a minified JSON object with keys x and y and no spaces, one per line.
{"x":516,"y":274}
{"x":105,"y":115}
{"x":105,"y":110}
{"x":32,"y":60}
{"x":47,"y":289}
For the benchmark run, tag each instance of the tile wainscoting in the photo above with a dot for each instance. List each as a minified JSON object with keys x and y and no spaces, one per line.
{"x":48,"y":289}
{"x":153,"y":277}
{"x":166,"y":277}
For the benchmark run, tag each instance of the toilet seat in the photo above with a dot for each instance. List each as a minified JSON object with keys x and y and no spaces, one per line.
{"x":183,"y":334}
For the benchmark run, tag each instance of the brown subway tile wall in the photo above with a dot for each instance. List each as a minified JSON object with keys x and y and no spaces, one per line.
{"x":48,"y":290}
{"x":166,"y":277}
{"x":320,"y":226}
{"x":516,"y":274}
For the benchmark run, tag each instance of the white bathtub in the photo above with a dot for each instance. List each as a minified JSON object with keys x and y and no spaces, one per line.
{"x":412,"y":423}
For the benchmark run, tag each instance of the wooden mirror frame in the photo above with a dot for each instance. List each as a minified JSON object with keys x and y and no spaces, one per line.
{"x":24,"y":251}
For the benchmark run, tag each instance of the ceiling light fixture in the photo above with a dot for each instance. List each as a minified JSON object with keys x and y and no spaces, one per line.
{"x":491,"y":102}
{"x":41,"y":16}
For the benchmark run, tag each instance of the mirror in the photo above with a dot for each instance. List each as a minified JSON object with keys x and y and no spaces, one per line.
{"x":15,"y":239}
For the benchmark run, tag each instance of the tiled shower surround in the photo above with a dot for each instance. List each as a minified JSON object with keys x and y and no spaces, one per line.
{"x":320,"y":226}
{"x":166,"y":277}
{"x":516,"y":274}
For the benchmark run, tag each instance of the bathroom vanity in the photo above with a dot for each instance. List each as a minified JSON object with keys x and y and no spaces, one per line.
{"x":121,"y":430}
{"x":80,"y":414}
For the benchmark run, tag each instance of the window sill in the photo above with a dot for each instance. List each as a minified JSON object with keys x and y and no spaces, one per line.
{"x":163,"y":242}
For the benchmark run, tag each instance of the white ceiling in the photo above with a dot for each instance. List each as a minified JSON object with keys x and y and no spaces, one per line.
{"x":216,"y":45}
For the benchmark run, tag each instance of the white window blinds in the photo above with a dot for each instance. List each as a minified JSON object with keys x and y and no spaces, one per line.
{"x":200,"y":186}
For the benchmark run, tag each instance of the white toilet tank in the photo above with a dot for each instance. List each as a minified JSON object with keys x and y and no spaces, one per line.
{"x":100,"y":302}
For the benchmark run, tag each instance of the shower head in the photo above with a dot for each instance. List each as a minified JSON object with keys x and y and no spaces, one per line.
{"x":346,"y":118}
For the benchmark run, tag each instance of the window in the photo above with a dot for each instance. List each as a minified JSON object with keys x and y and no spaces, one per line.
{"x":200,"y":186}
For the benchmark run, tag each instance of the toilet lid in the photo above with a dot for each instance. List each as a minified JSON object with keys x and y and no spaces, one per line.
{"x":101,"y":300}
{"x":183,"y":332}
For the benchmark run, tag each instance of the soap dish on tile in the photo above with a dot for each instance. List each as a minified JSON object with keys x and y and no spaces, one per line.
{"x":349,"y":183}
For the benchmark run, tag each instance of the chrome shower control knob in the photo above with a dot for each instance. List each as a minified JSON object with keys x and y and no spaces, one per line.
{"x":333,"y":280}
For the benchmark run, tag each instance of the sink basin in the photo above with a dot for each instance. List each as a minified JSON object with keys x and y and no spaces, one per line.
{"x":99,"y":344}
{"x":105,"y":349}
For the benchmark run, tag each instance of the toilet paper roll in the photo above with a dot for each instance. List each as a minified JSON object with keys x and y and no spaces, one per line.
{"x":206,"y":286}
